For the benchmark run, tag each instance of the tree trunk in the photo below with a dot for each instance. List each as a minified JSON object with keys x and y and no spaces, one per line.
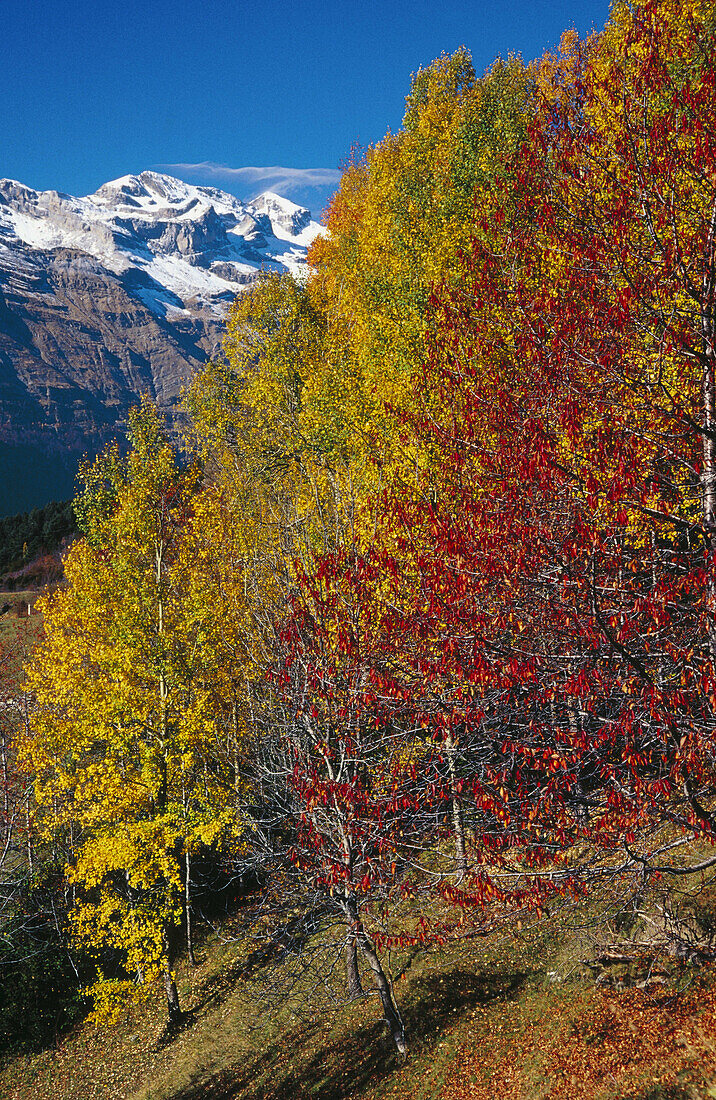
{"x":170,"y":987}
{"x":581,"y":809}
{"x":5,"y":781}
{"x":28,"y":823}
{"x":390,"y":1009}
{"x":457,"y":815}
{"x":355,"y":989}
{"x":187,"y":909}
{"x":28,"y":827}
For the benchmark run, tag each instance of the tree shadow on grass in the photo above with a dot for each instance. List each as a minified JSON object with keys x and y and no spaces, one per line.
{"x":304,"y":1063}
{"x":668,"y":1092}
{"x":218,"y":988}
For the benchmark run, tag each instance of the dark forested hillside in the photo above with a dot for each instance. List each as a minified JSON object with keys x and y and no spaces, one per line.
{"x":30,"y":535}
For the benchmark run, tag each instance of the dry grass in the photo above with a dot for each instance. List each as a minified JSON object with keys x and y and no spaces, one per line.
{"x":484,"y":1022}
{"x":19,"y":632}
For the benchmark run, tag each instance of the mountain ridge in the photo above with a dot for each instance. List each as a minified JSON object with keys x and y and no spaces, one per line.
{"x":115,"y":294}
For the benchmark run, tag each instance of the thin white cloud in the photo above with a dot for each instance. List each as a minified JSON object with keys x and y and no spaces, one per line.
{"x":274,"y":178}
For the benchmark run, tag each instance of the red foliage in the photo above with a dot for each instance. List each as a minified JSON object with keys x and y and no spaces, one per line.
{"x":537,"y":674}
{"x":562,"y":630}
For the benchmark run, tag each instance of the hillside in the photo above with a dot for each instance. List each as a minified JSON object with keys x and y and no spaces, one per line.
{"x":518,"y":1019}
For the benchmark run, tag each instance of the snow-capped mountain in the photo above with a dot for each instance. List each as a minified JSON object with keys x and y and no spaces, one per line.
{"x":108,"y":296}
{"x":185,"y":246}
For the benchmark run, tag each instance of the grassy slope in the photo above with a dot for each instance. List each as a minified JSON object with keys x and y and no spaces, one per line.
{"x":484,"y":1022}
{"x":19,"y":632}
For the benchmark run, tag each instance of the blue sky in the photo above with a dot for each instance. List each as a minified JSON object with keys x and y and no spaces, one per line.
{"x":95,"y":89}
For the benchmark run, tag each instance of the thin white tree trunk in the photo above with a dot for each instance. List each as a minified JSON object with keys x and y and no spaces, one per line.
{"x":170,"y":987}
{"x":458,"y":821}
{"x":187,"y":908}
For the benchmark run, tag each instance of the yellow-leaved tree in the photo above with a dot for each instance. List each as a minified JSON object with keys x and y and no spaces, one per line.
{"x":124,"y":742}
{"x":403,"y":214}
{"x":307,"y":404}
{"x":271,"y":423}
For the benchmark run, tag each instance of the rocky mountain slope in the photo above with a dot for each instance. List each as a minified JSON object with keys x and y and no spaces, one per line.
{"x":109,"y":296}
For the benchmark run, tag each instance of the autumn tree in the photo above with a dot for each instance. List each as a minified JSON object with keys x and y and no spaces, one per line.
{"x":39,"y":991}
{"x":402,"y":215}
{"x":618,"y":347}
{"x":122,"y":724}
{"x":559,"y":541}
{"x":348,"y":831}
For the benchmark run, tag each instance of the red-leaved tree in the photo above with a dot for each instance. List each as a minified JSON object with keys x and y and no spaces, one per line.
{"x":560,"y":541}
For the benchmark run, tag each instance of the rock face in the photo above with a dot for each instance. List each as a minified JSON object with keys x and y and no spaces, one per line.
{"x":110,"y":296}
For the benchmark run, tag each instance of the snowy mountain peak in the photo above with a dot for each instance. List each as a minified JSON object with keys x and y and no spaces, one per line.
{"x":291,"y":218}
{"x":108,"y":296}
{"x":181,"y":247}
{"x":150,"y":190}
